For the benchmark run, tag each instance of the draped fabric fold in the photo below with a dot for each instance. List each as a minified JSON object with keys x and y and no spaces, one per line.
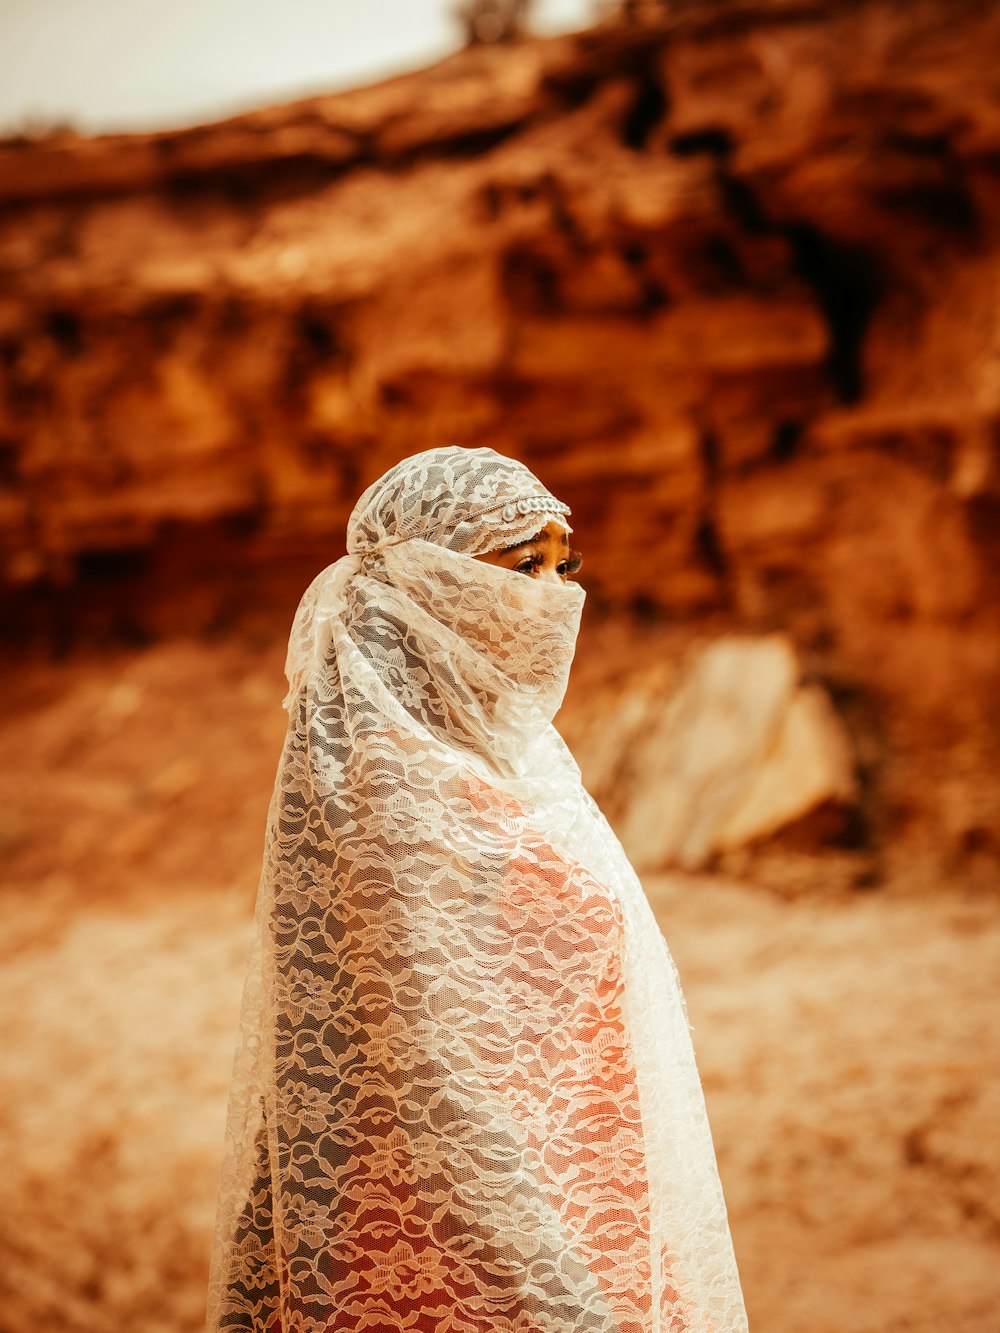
{"x":465,"y":1098}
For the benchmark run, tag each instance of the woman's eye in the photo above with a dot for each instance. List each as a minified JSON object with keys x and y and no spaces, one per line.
{"x":528,"y":565}
{"x":570,"y":565}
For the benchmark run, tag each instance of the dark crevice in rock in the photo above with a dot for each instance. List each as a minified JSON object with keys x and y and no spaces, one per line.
{"x":648,"y":108}
{"x":98,"y":566}
{"x":634,"y":253}
{"x":393,"y":395}
{"x":491,"y":196}
{"x":944,"y":205}
{"x":654,"y":297}
{"x":718,"y":258}
{"x":845,"y":282}
{"x":315,"y":343}
{"x":715,"y":142}
{"x":64,"y":328}
{"x":530,"y":281}
{"x":473,"y":143}
{"x":497,"y":199}
{"x":560,"y":212}
{"x":573,"y":88}
{"x":854,"y":835}
{"x":646,"y":610}
{"x":843,"y":278}
{"x":710,"y":456}
{"x":707,"y":543}
{"x":251,"y":184}
{"x":708,"y":547}
{"x":741,"y":201}
{"x":318,"y":337}
{"x":10,"y":463}
{"x":785,"y":443}
{"x":245,"y":523}
{"x":865,"y":721}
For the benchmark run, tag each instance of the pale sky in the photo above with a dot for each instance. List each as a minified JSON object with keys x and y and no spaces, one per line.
{"x":105,"y":65}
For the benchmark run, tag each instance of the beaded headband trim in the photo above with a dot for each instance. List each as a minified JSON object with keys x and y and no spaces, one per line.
{"x":529,"y":504}
{"x":507,"y":510}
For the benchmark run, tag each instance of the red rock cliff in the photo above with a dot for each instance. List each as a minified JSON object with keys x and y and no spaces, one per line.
{"x":728,"y":279}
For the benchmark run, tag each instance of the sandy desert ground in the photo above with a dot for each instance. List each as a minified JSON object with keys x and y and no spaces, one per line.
{"x":848,"y":1042}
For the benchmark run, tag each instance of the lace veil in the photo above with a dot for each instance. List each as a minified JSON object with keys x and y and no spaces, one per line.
{"x":465,"y":1098}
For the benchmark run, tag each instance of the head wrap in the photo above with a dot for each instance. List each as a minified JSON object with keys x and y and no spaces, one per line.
{"x":466,"y":500}
{"x":465,"y":1098}
{"x":467,"y":652}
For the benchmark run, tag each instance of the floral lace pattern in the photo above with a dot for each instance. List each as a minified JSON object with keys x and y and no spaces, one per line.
{"x":465,"y":1098}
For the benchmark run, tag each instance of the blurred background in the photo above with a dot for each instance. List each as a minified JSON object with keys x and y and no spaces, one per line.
{"x":726,"y":275}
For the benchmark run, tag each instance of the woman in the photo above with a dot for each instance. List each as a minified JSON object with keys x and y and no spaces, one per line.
{"x":466,"y":1099}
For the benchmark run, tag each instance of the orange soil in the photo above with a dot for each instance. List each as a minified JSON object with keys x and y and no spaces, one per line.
{"x":848,"y":1046}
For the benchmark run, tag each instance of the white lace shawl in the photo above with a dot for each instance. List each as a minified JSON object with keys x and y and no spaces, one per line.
{"x":465,"y":1098}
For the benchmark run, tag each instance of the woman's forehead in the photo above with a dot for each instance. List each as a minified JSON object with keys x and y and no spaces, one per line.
{"x":552,"y":532}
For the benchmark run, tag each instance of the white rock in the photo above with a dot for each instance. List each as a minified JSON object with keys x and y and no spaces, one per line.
{"x":738,"y":750}
{"x":809,"y":762}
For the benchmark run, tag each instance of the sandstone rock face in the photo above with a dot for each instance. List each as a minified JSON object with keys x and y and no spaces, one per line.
{"x":729,"y":753}
{"x":807,"y":764}
{"x":727,"y":278}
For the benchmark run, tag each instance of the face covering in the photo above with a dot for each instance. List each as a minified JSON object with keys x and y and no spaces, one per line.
{"x":478,"y":656}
